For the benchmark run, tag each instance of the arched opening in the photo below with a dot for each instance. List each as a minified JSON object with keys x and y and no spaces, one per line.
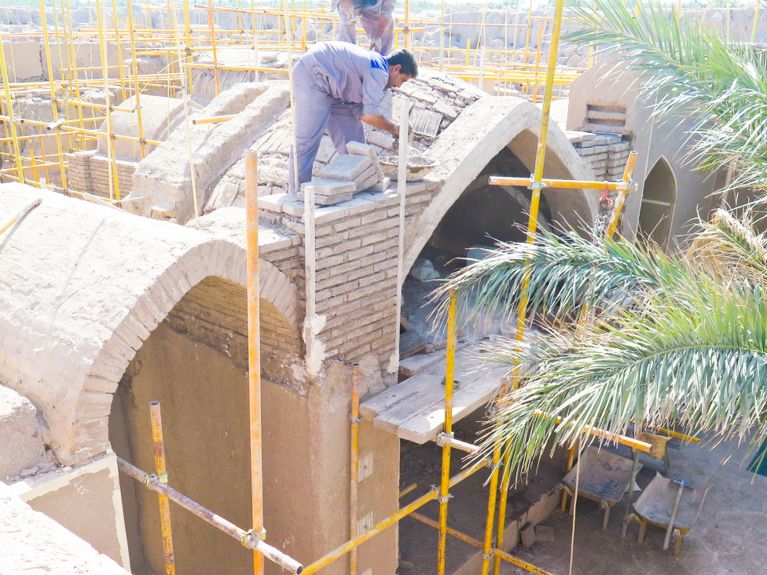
{"x":658,"y":201}
{"x":481,"y":216}
{"x":477,"y":216}
{"x":195,"y":364}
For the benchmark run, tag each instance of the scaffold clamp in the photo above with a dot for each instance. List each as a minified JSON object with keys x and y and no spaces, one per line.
{"x":444,"y":439}
{"x":252,"y":534}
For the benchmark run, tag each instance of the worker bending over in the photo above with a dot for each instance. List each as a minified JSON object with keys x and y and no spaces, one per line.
{"x":337,"y":86}
{"x":375,"y":17}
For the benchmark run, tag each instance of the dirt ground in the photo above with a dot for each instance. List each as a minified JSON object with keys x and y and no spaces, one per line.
{"x":728,"y":539}
{"x":468,"y":507}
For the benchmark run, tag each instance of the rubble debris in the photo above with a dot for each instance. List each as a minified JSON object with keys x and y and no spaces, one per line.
{"x":423,"y":270}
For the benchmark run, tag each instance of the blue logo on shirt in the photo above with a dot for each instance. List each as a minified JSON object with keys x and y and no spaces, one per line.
{"x":379,"y":63}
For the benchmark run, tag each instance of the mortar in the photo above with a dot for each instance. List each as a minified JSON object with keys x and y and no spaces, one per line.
{"x":417,"y":167}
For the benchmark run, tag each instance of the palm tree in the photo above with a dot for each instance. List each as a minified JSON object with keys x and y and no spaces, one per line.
{"x":670,"y":339}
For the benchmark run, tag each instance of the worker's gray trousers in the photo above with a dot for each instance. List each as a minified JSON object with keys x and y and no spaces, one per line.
{"x":376,"y":20}
{"x":316,"y":111}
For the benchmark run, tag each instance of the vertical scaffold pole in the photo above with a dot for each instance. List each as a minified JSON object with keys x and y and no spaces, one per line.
{"x":407,"y":24}
{"x":254,"y":356}
{"x":444,"y":487}
{"x":114,"y":180}
{"x":52,"y":86}
{"x":136,"y":86}
{"x":355,"y":465}
{"x":212,"y":28}
{"x":162,"y":476}
{"x":532,"y":226}
{"x":9,"y":113}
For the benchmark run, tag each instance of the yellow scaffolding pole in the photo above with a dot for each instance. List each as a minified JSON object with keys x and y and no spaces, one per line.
{"x":254,"y":357}
{"x":114,"y":180}
{"x":54,"y":107}
{"x":391,"y":520}
{"x":158,"y":443}
{"x":9,"y":107}
{"x":135,"y":77}
{"x":532,"y":225}
{"x":444,"y":495}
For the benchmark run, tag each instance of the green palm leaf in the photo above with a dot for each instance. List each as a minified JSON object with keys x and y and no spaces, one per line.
{"x":687,"y":70}
{"x":702,"y":366}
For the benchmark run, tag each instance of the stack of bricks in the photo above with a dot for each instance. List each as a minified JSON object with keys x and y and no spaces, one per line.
{"x":347,"y":175}
{"x":79,"y":171}
{"x":606,"y":153}
{"x":91,"y":173}
{"x":356,"y":265}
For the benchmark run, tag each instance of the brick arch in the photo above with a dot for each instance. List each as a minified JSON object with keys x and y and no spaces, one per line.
{"x":218,"y":266}
{"x":82,"y":286}
{"x":466,"y":147}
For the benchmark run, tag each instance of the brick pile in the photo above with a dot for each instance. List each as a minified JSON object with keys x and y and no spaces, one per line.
{"x":90,"y":172}
{"x":606,"y":153}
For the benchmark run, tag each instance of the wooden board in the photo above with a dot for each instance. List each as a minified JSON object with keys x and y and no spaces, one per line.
{"x":415,"y":409}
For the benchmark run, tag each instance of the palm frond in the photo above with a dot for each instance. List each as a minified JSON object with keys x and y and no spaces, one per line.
{"x":730,"y":248}
{"x":564,"y":273}
{"x":688,"y":70}
{"x":705,"y":369}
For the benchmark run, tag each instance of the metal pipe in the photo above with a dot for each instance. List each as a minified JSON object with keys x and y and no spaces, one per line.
{"x":532,"y":224}
{"x":118,"y":42}
{"x":607,"y":435}
{"x":444,"y":495}
{"x":254,"y":355}
{"x":559,"y":184}
{"x":162,"y":476}
{"x":136,"y":86}
{"x":355,"y":465}
{"x":212,"y":28}
{"x":464,"y":446}
{"x":213,"y":119}
{"x":9,"y":105}
{"x":389,"y":521}
{"x":114,"y":180}
{"x":21,"y":213}
{"x":248,"y":539}
{"x":52,"y":87}
{"x":404,"y":119}
{"x":622,"y":193}
{"x":476,"y":543}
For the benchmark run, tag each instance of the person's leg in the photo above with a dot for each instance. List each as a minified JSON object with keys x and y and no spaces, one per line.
{"x":379,"y":25}
{"x":344,"y":126}
{"x":347,"y":26}
{"x":386,"y":26}
{"x":312,"y":113}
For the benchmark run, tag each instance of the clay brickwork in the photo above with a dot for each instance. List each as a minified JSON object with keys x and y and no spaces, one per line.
{"x":356,"y":265}
{"x":90,"y":172}
{"x":606,"y":153}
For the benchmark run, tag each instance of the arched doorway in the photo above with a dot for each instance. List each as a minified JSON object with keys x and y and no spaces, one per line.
{"x":658,"y":201}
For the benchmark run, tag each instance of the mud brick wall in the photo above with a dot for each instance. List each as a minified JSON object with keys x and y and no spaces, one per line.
{"x":356,"y":265}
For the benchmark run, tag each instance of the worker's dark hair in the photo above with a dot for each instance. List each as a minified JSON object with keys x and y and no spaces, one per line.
{"x":406,"y":61}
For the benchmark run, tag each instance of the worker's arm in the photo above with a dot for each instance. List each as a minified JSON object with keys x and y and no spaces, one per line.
{"x":379,"y":121}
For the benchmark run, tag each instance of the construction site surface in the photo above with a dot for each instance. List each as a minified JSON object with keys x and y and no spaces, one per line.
{"x":202,"y":373}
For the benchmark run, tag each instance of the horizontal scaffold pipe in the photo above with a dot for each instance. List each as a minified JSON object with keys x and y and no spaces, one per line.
{"x":247,"y":538}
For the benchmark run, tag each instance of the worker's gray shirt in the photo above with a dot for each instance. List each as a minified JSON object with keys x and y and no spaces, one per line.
{"x":349,"y":73}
